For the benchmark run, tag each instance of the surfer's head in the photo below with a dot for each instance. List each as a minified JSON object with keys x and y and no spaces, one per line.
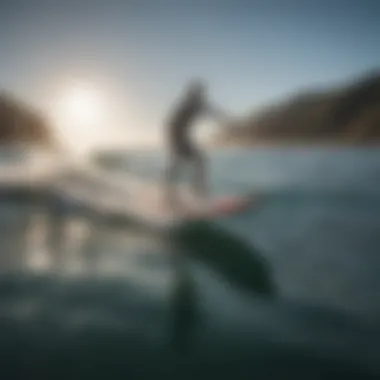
{"x":197,"y":89}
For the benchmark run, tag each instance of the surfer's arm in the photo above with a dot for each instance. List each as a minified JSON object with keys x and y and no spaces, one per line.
{"x":223,"y":119}
{"x":218,"y":114}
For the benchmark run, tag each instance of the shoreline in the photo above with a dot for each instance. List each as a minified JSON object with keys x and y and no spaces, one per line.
{"x":296,"y":144}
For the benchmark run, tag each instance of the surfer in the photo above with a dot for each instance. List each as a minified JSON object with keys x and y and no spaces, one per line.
{"x":182,"y":149}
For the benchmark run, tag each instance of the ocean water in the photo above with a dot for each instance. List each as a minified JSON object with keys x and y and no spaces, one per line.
{"x":289,"y":289}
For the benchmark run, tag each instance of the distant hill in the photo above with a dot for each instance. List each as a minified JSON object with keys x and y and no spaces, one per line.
{"x":19,"y":123}
{"x":350,"y":113}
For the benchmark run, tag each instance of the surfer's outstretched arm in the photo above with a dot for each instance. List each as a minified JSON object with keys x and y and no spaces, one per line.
{"x":217,"y":113}
{"x":223,"y":119}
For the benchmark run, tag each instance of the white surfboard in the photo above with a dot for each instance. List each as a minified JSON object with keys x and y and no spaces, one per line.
{"x":143,"y":202}
{"x":148,"y":208}
{"x":145,"y":206}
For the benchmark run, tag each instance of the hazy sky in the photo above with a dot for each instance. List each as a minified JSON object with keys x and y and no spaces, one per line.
{"x":141,"y":53}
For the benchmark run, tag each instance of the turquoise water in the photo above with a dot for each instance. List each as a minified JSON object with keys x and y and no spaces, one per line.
{"x":289,"y":289}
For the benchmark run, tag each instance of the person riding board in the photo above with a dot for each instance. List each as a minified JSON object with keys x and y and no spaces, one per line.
{"x":182,"y":149}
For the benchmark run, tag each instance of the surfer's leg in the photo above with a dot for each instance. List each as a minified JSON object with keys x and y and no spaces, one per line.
{"x":173,"y":170}
{"x":200,"y":184}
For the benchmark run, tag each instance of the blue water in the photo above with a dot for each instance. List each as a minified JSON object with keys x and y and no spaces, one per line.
{"x":317,"y":228}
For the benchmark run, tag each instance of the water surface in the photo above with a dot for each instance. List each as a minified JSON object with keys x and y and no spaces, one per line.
{"x":120,"y":300}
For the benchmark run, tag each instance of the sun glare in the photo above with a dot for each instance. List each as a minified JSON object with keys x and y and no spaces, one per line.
{"x":82,"y":106}
{"x":80,"y":114}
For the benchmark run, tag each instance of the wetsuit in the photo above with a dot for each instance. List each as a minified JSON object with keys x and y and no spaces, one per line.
{"x":182,"y":149}
{"x":180,"y":141}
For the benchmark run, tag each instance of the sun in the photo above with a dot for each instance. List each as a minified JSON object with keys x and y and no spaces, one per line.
{"x":80,"y":115}
{"x":82,"y":105}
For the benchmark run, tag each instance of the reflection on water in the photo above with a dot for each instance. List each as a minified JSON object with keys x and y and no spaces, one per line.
{"x":185,"y":312}
{"x":53,"y":259}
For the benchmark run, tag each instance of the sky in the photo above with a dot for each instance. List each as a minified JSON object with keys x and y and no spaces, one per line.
{"x":140,"y":54}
